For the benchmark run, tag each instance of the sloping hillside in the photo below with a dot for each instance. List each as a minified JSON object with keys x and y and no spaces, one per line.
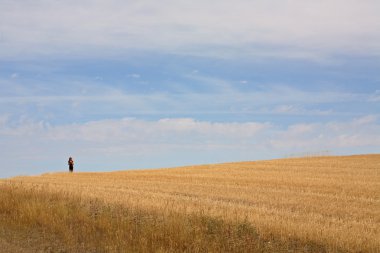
{"x":320,"y":204}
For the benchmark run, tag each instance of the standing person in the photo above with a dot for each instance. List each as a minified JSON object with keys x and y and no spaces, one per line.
{"x":71,"y":164}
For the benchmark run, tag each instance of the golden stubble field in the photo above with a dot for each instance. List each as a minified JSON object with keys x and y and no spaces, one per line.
{"x":319,"y":204}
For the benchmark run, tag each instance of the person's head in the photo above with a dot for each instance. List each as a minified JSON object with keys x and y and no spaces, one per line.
{"x":70,"y":158}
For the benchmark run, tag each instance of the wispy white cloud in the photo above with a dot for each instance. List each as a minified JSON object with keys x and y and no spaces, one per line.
{"x":14,"y":75}
{"x":358,"y":132}
{"x":3,"y":120}
{"x":134,"y":75}
{"x":205,"y":95}
{"x":296,"y":110}
{"x":375,"y":97}
{"x":140,"y":131}
{"x":293,"y":28}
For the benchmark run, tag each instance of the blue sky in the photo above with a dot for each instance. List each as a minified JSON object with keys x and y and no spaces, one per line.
{"x":147,"y":84}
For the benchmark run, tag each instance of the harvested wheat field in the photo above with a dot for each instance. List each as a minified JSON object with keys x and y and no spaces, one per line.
{"x":318,"y":204}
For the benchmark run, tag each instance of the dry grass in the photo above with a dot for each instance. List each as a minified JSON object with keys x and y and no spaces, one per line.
{"x":319,"y":204}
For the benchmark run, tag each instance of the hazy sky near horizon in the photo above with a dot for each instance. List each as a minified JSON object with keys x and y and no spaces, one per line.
{"x":141,"y":84}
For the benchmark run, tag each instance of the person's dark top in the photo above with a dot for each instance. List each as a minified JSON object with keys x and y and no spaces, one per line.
{"x":71,"y":164}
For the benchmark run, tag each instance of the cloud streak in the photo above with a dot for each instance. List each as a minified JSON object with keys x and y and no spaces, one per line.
{"x":359,"y":132}
{"x":138,"y":131}
{"x":221,"y":98}
{"x":295,"y":28}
